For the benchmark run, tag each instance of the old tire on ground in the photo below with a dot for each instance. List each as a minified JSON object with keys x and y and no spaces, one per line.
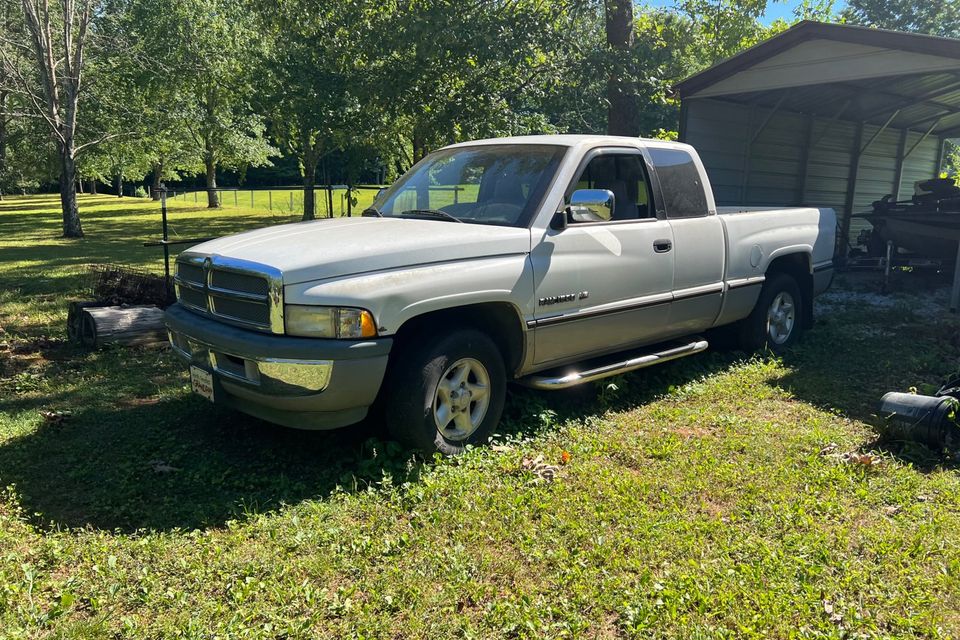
{"x":446,"y":393}
{"x":776,"y":321}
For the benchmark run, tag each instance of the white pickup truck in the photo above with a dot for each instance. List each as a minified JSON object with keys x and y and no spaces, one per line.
{"x":544,"y":260}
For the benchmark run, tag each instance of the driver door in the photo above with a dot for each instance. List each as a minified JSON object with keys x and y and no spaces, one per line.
{"x":603,"y":285}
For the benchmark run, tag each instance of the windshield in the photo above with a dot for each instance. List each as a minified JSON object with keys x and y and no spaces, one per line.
{"x":490,"y":184}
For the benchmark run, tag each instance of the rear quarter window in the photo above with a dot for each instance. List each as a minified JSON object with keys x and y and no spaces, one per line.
{"x":680,"y":183}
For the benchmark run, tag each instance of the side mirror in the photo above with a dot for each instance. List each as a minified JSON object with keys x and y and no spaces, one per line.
{"x":559,"y":220}
{"x":591,"y":205}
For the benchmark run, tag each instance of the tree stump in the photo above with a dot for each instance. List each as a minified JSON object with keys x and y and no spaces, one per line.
{"x":135,"y":325}
{"x":75,"y":317}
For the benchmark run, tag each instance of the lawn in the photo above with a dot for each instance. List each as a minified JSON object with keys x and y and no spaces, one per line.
{"x":706,"y":498}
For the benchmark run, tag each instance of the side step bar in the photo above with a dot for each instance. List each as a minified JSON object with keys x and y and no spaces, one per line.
{"x":548,"y":383}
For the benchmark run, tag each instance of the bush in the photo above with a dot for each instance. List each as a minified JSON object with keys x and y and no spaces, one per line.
{"x":140,"y":192}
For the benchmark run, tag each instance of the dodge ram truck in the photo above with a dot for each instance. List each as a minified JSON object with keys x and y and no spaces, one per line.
{"x":548,"y":261}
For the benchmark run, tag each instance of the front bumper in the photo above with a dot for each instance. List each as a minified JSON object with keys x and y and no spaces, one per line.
{"x":306,"y":383}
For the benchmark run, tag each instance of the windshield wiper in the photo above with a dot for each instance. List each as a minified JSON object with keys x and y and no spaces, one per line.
{"x":435,"y":213}
{"x":371,"y":212}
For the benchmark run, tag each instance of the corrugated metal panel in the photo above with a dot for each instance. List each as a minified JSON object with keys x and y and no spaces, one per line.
{"x":877,"y":174}
{"x":922,"y":164}
{"x":821,"y":61}
{"x":776,"y":157}
{"x":721,"y":131}
{"x":829,"y":166}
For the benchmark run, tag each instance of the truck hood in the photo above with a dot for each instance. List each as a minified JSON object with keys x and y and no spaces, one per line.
{"x":331,"y":248}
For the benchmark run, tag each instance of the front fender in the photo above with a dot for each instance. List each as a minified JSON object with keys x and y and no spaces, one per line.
{"x":397,"y":295}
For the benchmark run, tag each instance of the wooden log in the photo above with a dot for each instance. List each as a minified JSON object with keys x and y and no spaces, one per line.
{"x":75,"y":317}
{"x":135,"y":325}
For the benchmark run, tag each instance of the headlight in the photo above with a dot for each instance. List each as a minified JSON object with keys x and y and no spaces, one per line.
{"x":328,"y":322}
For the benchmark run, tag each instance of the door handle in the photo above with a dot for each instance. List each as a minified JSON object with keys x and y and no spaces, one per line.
{"x":662,"y":246}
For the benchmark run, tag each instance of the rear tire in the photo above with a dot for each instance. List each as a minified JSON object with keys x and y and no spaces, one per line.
{"x":446,"y":394}
{"x":776,"y":321}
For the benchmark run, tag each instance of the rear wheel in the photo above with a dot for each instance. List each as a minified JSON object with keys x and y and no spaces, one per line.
{"x":446,"y":394}
{"x":776,"y":321}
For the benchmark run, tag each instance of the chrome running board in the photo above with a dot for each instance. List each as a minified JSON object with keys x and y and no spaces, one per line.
{"x":548,"y":382}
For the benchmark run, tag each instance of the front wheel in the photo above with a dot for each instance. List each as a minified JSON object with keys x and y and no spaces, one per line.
{"x":447,"y":394}
{"x":776,"y":321}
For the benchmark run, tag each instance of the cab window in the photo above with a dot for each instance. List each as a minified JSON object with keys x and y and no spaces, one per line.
{"x":625,"y":176}
{"x":680,"y":183}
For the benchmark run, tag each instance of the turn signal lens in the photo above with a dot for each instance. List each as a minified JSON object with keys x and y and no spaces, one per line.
{"x":328,"y":322}
{"x":355,"y":323}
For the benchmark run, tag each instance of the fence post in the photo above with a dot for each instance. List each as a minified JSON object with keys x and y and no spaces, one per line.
{"x":291,"y":202}
{"x":251,"y":198}
{"x":234,"y":198}
{"x":194,"y":196}
{"x":349,"y":201}
{"x":270,"y":200}
{"x":166,"y":247}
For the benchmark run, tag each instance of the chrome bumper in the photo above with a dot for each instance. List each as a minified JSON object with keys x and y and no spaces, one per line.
{"x":305,"y":383}
{"x":273,"y":376}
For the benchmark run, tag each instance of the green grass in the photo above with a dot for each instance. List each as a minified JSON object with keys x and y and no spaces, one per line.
{"x":696,"y":502}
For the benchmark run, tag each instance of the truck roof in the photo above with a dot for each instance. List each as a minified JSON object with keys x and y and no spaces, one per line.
{"x":573,"y":140}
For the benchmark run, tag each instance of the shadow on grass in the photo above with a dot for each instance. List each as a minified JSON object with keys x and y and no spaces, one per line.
{"x":851,"y":359}
{"x":187,"y":464}
{"x":179,"y":464}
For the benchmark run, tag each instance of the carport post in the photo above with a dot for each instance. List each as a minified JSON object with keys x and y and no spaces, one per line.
{"x":955,"y":292}
{"x":852,"y":180}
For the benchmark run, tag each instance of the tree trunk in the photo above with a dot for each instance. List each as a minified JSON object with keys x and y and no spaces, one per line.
{"x":213,"y":198}
{"x":138,"y":325}
{"x":309,"y":178}
{"x":93,"y":187}
{"x":3,"y":140}
{"x":157,"y":175}
{"x":623,"y":113}
{"x":118,"y":184}
{"x":419,"y":145}
{"x":68,"y":194}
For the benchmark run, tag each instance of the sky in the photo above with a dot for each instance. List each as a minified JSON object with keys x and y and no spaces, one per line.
{"x":782,"y":9}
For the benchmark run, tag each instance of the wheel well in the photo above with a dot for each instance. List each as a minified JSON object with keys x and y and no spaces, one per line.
{"x":500,"y":320}
{"x":797,"y":266}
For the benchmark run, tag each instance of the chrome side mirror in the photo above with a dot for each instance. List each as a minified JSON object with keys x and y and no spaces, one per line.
{"x":591,"y":205}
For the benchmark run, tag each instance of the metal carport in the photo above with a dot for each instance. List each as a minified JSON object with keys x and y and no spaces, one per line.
{"x":825,"y":115}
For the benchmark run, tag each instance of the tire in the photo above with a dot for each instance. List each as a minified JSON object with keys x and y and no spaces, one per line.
{"x":416,"y":403}
{"x":776,"y":321}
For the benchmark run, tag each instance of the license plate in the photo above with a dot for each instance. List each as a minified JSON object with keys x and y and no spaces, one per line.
{"x":202,"y":382}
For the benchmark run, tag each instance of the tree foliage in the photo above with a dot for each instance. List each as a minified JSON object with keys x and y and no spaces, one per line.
{"x":939,"y":18}
{"x":352,"y":88}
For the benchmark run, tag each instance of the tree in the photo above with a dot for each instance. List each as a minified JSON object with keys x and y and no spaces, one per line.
{"x":921,"y":16}
{"x":221,"y":52}
{"x":623,"y":109}
{"x":720,"y":28}
{"x":8,"y":22}
{"x":443,"y":81}
{"x":205,"y":58}
{"x":57,"y":37}
{"x":320,"y":98}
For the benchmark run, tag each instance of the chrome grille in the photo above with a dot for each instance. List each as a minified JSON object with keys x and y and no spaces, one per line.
{"x":243,"y":310}
{"x":190,"y":272}
{"x":238,"y":292}
{"x":239,"y":282}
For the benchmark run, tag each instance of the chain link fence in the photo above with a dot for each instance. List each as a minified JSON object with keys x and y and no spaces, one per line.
{"x":330,"y":201}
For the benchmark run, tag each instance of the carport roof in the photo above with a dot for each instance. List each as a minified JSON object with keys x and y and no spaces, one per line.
{"x":901,"y":80}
